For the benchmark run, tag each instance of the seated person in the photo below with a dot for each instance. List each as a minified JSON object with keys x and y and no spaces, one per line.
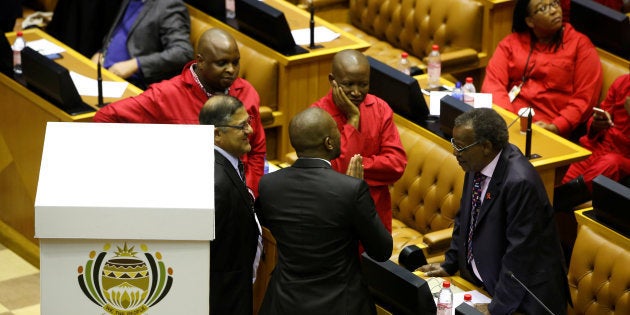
{"x":149,"y":41}
{"x":545,"y":64}
{"x":608,"y":138}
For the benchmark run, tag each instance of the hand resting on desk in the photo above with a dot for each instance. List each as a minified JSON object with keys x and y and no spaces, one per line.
{"x":433,"y":270}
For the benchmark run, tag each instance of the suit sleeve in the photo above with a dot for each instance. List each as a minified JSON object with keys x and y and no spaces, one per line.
{"x":174,"y":29}
{"x":526,"y":219}
{"x":374,"y":237}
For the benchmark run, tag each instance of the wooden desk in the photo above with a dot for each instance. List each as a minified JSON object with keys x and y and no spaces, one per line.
{"x":23,"y":118}
{"x":556,"y":152}
{"x":601,"y":228}
{"x":303,"y":78}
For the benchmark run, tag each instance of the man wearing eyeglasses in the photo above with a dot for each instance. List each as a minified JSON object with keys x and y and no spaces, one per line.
{"x":235,"y":252}
{"x":179,"y":100}
{"x":505,"y":228}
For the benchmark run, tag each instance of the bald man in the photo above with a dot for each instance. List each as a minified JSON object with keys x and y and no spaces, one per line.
{"x":367,"y":128}
{"x":317,"y":217}
{"x":179,"y":100}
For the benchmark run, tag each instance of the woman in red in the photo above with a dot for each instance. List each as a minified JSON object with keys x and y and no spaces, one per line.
{"x":545,"y":64}
{"x":608,"y":139}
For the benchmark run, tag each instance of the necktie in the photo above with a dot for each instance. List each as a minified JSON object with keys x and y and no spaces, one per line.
{"x":476,"y":204}
{"x":241,"y":170}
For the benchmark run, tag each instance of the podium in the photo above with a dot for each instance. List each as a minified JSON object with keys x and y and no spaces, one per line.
{"x":124,"y":214}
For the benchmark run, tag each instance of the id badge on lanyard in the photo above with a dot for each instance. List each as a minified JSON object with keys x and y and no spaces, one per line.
{"x":514,"y":92}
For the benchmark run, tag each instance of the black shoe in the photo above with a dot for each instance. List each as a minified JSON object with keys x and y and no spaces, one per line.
{"x":571,"y":194}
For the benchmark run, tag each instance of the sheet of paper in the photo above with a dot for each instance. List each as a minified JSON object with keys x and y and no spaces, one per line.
{"x":89,"y":87}
{"x":482,"y":100}
{"x":45,"y":47}
{"x":477,"y":297}
{"x":322,"y":35}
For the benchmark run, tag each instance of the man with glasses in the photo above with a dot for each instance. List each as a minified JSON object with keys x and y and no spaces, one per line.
{"x":179,"y":100}
{"x":505,"y":229}
{"x":235,"y":252}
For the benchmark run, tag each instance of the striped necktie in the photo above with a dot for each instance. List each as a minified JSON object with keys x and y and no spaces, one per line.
{"x":241,"y":171}
{"x":476,"y":204}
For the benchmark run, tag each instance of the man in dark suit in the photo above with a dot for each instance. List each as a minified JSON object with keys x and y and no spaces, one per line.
{"x":318,"y":216}
{"x":149,"y":41}
{"x":235,"y":251}
{"x":509,"y":229}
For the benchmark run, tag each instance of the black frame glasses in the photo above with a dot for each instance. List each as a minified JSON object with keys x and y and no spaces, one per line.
{"x":241,"y":126}
{"x":462,"y":149}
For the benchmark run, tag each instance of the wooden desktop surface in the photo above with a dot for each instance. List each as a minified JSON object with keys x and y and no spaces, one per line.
{"x":556,"y":152}
{"x":23,"y":118}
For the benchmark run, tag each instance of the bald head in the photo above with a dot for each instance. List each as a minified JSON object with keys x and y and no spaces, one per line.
{"x":313,"y":133}
{"x":349,"y":60}
{"x":218,"y":60}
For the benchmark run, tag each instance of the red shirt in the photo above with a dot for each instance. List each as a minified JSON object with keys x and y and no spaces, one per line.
{"x":179,"y":101}
{"x":561,"y":86}
{"x":378,"y":141}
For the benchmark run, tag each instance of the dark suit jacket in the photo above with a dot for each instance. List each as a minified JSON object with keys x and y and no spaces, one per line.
{"x":515,"y":232}
{"x":159,"y":39}
{"x":233,"y":250}
{"x":317,"y":217}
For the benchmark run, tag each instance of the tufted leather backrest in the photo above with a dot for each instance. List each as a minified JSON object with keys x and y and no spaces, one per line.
{"x":261,"y":71}
{"x":415,"y":25}
{"x":613,"y":66}
{"x":426,"y":197}
{"x":599,"y":274}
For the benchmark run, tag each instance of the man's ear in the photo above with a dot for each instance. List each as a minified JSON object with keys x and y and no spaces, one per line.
{"x":217,"y":135}
{"x":328,"y":144}
{"x":331,"y":79}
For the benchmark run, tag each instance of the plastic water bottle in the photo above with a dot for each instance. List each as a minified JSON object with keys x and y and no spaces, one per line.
{"x":469,"y":90}
{"x":404,"y":66}
{"x":434,"y":67}
{"x":445,"y":300}
{"x":457,"y":91}
{"x":468,"y":299}
{"x":230,"y":9}
{"x":266,"y":167}
{"x":18,"y":45}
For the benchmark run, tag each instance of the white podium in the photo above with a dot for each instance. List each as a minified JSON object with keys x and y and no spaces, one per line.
{"x":124,"y":214}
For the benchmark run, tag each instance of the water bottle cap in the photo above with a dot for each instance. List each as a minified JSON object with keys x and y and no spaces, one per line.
{"x":467,"y":297}
{"x":446,"y":284}
{"x":469,"y":79}
{"x":458,"y":84}
{"x":435,"y":47}
{"x":19,"y":33}
{"x":404,"y":55}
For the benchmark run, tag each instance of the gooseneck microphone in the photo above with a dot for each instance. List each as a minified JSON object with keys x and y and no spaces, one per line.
{"x":99,"y":80}
{"x":528,"y":135}
{"x":312,"y":26}
{"x":530,"y":292}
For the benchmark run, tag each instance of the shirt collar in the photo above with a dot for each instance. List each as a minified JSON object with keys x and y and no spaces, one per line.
{"x":489,"y":169}
{"x":233,"y":160}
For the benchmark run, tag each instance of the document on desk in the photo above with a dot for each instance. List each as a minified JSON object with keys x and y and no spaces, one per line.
{"x":482,"y":100}
{"x":477,"y":297}
{"x":322,"y":35}
{"x":45,"y":47}
{"x":89,"y":87}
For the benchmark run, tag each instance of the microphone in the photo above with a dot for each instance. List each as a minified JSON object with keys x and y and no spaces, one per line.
{"x":99,"y":80}
{"x":528,"y":135}
{"x":312,"y":26}
{"x":530,"y":292}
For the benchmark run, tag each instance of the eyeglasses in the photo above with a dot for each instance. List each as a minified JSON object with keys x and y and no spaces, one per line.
{"x":462,"y":149}
{"x":545,"y":7}
{"x":242,"y":126}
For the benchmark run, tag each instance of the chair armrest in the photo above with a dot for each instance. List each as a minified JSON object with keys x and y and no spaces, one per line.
{"x":438,"y":239}
{"x":266,"y":115}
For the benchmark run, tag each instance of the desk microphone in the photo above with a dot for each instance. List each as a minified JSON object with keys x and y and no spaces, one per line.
{"x":99,"y":80}
{"x":312,"y":26}
{"x":528,"y":135}
{"x":530,"y":292}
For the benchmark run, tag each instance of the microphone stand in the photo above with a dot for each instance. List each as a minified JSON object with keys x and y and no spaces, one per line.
{"x":528,"y":135}
{"x":99,"y":80}
{"x":531,"y":293}
{"x":312,"y":27}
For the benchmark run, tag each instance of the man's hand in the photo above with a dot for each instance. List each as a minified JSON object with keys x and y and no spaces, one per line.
{"x":551,"y":127}
{"x":434,"y":270}
{"x":96,"y":57}
{"x":345,"y":105}
{"x":124,"y":69}
{"x":601,"y":121}
{"x":355,"y":168}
